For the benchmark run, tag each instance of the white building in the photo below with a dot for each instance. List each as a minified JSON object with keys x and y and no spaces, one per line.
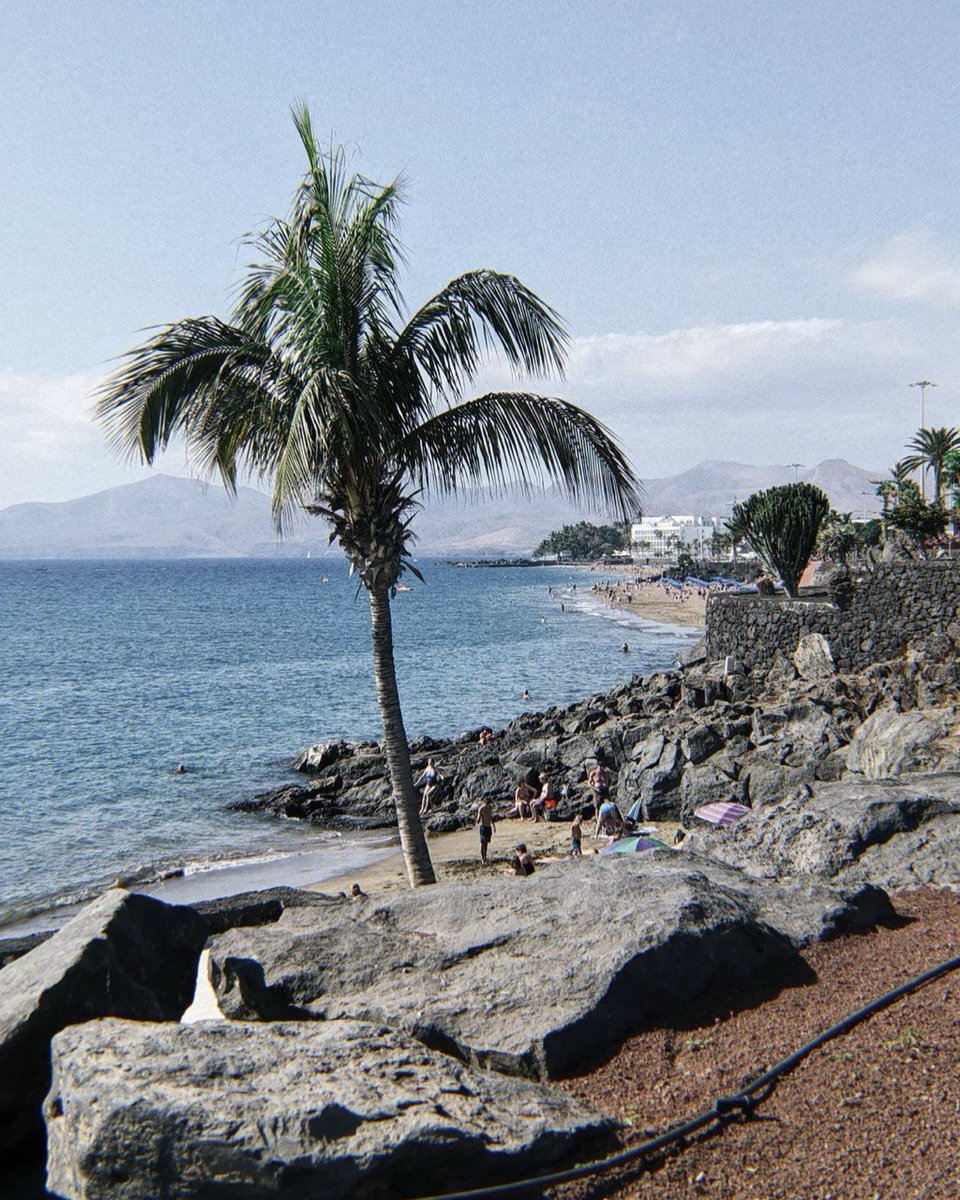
{"x":668,"y":537}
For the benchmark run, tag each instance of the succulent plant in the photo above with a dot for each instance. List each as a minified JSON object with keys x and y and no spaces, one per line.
{"x":781,"y":524}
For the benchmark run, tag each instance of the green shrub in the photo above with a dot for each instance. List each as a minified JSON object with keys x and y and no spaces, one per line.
{"x":781,"y":524}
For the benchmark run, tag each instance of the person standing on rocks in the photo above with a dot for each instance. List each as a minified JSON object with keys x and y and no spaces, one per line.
{"x":485,"y":826}
{"x":599,"y":783}
{"x":430,"y":778}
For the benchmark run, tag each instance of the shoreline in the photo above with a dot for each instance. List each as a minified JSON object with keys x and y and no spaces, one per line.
{"x":651,"y":601}
{"x":382,"y":866}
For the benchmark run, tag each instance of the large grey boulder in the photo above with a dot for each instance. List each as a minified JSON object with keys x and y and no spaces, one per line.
{"x":333,"y":1109}
{"x":813,"y":658}
{"x":889,"y":742}
{"x":123,"y":955}
{"x":652,"y":779}
{"x":893,"y":834}
{"x":529,"y":976}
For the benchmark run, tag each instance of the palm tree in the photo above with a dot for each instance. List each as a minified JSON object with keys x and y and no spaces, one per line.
{"x":320,"y":386}
{"x":736,"y":529}
{"x":932,"y":447}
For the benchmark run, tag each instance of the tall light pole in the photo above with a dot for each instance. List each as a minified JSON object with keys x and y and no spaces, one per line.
{"x":923,"y":384}
{"x":796,"y":471}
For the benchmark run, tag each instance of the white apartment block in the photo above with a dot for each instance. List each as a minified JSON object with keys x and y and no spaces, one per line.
{"x":668,"y":537}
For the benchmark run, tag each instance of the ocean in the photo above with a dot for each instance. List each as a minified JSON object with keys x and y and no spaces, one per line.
{"x":113,"y":673}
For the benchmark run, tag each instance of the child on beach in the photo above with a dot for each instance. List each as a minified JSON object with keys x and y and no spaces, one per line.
{"x":485,"y":825}
{"x":576,"y":837}
{"x":522,"y":862}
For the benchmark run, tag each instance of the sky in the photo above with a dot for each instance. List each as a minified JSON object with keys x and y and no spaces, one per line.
{"x":745,"y":212}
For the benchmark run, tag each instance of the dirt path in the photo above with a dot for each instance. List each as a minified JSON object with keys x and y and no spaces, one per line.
{"x":874,"y":1115}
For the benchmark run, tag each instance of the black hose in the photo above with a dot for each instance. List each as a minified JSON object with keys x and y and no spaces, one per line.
{"x":742,"y":1102}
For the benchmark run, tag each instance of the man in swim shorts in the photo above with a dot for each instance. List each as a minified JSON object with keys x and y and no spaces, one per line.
{"x":485,"y":826}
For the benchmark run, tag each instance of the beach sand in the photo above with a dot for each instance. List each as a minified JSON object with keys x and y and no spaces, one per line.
{"x":457,"y":855}
{"x":653,"y":602}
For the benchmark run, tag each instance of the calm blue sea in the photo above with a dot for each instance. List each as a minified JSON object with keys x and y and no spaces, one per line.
{"x":113,"y":673}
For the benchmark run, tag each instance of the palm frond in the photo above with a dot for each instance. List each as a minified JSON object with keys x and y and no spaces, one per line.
{"x":478,"y":312}
{"x":506,"y":440}
{"x":168,"y":384}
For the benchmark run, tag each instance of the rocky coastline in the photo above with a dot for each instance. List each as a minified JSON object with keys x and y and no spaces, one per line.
{"x":673,"y":741}
{"x":466,"y":1003}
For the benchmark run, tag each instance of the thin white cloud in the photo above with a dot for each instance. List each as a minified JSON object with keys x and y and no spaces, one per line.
{"x":912,"y":266}
{"x":719,"y":359}
{"x":758,"y":392}
{"x":50,"y":448}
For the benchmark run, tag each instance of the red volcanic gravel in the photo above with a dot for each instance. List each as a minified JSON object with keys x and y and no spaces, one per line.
{"x":872,"y":1115}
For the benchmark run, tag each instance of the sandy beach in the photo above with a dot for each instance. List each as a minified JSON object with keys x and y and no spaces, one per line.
{"x":457,"y":855}
{"x":652,"y":601}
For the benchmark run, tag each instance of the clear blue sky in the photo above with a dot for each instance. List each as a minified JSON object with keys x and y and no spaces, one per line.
{"x":746,"y":212}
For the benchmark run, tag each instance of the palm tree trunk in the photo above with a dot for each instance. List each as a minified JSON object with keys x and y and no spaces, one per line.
{"x":412,"y":839}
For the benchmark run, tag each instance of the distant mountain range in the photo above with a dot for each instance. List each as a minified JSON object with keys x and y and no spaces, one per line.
{"x":168,"y":517}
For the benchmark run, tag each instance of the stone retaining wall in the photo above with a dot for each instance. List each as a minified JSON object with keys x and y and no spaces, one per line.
{"x":895,"y":605}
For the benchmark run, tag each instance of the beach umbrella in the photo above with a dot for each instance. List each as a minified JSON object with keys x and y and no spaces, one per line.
{"x":721,"y":813}
{"x":634,"y":845}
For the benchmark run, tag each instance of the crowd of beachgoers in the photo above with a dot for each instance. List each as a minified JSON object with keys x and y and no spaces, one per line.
{"x":535,"y":800}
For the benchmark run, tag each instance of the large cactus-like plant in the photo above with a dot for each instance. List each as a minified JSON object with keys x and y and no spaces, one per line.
{"x":781,"y":525}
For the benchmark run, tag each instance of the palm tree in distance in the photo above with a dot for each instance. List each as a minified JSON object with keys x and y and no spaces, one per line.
{"x":320,"y":386}
{"x":931,"y":448}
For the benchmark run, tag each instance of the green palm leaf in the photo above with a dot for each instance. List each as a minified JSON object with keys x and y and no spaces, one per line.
{"x":507,"y":440}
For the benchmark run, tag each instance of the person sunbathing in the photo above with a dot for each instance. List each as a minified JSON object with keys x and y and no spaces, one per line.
{"x":430,"y":778}
{"x":522,"y":862}
{"x":521,"y":800}
{"x":544,"y":799}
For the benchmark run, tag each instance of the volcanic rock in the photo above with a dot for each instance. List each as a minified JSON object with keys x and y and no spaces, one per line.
{"x":894,"y":834}
{"x":813,"y":658}
{"x":123,"y":955}
{"x":532,"y":976}
{"x":890,"y":742}
{"x":337,"y":1109}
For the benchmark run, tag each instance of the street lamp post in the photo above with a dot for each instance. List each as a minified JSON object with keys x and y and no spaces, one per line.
{"x":796,"y":471}
{"x":923,"y":384}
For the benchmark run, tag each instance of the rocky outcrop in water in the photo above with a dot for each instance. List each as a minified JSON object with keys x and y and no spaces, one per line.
{"x":673,"y":741}
{"x":337,"y":1109}
{"x":123,"y":955}
{"x":535,"y":976}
